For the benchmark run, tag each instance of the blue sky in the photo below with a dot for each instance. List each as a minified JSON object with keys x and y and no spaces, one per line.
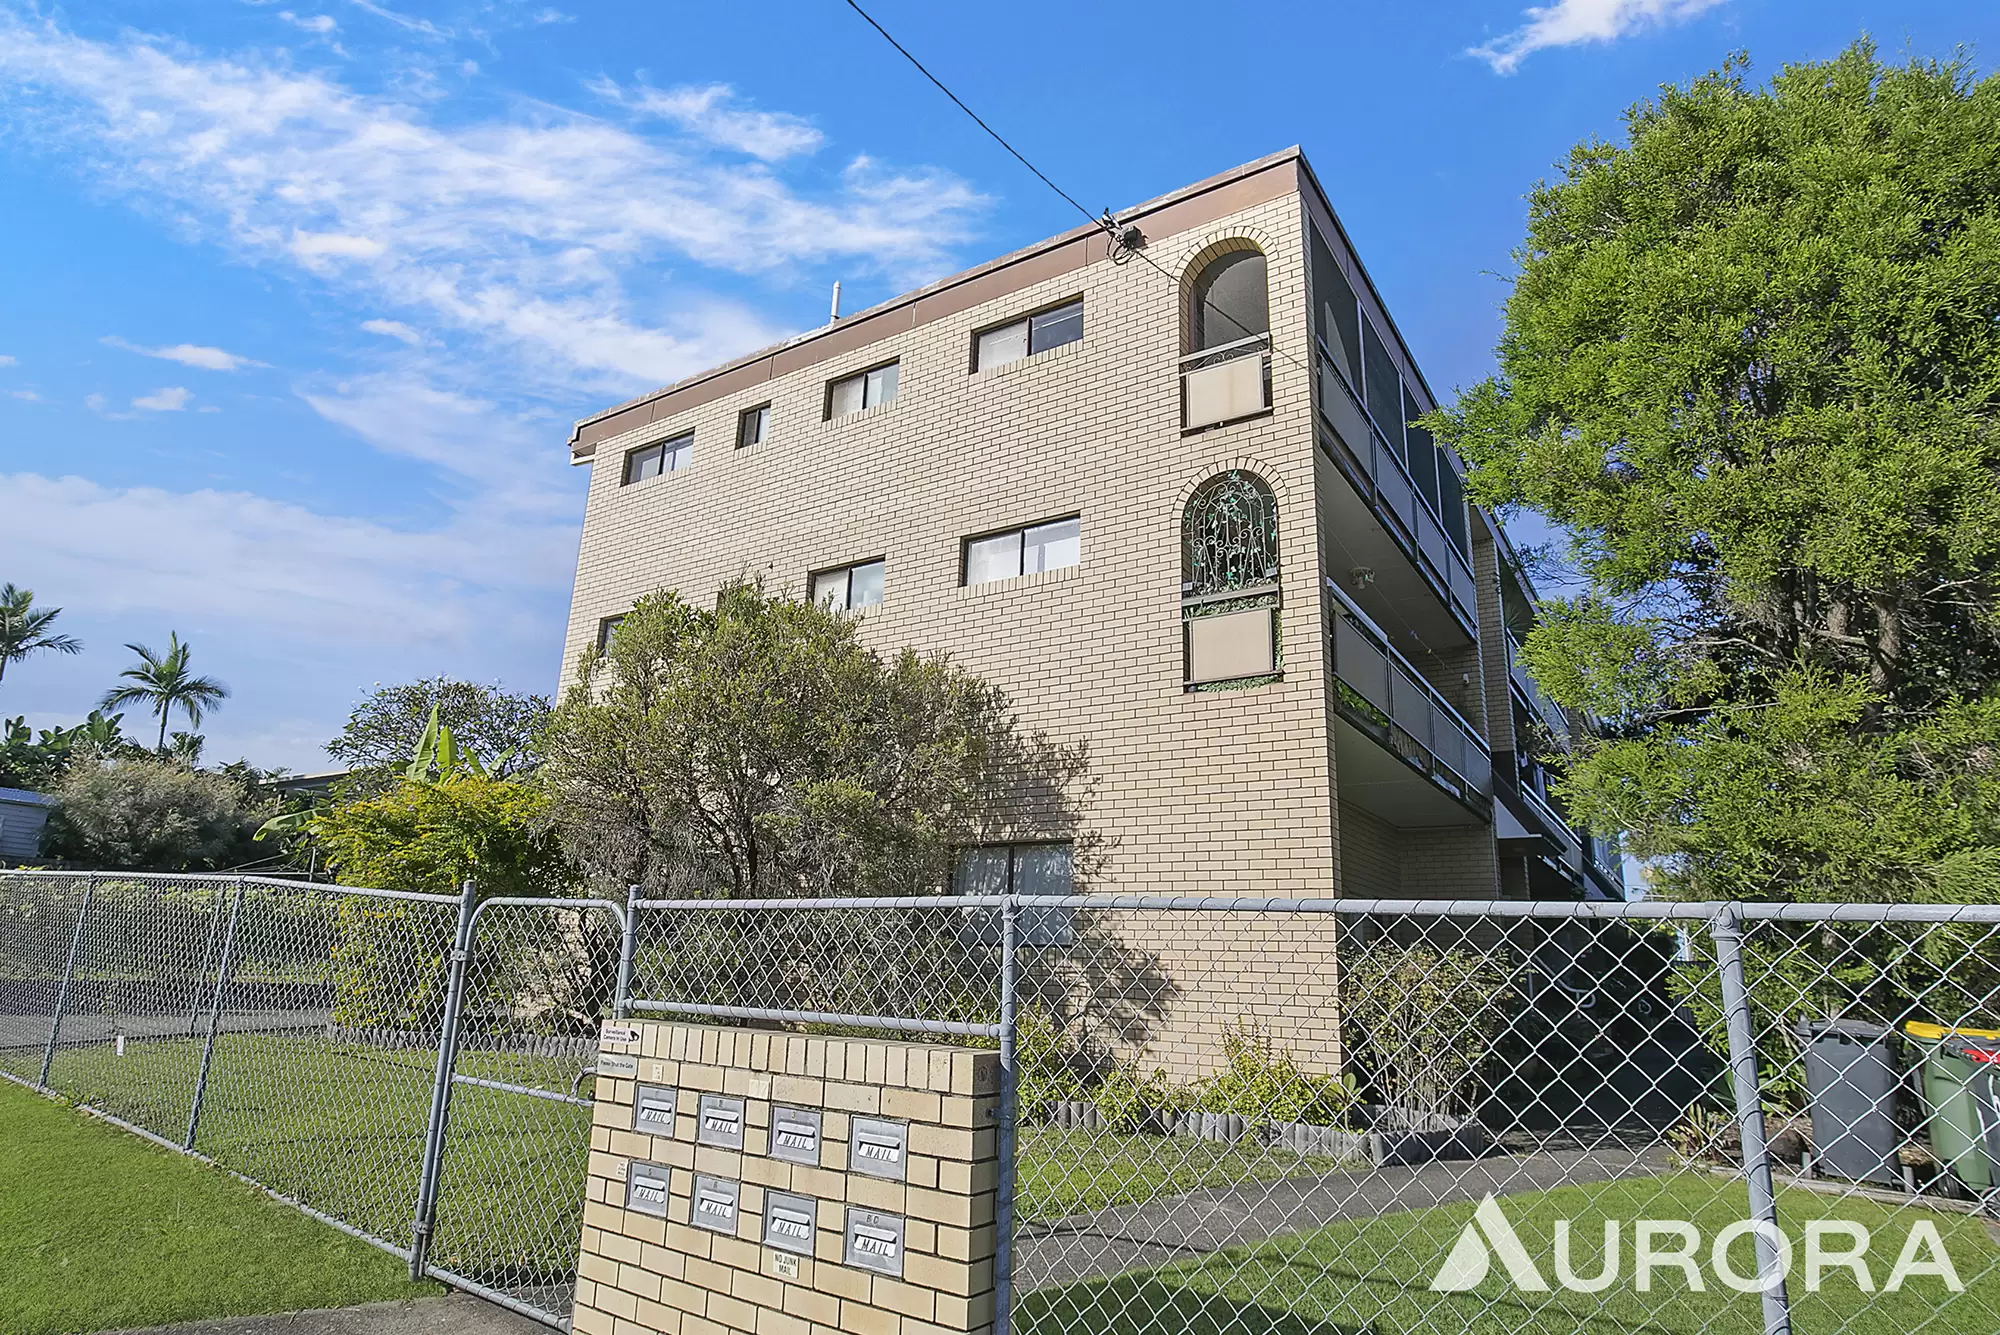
{"x":299,"y":299}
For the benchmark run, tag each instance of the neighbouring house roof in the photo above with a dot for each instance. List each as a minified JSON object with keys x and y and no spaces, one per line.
{"x":22,"y":815}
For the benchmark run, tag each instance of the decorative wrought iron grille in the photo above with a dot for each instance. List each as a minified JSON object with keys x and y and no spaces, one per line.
{"x":1229,"y":536}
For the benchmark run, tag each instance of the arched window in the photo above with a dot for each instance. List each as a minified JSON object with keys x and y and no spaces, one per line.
{"x":1230,"y":302}
{"x":1229,"y":535}
{"x":1229,"y":583}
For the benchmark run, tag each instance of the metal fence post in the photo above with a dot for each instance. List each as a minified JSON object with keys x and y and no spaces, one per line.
{"x":454,"y":997}
{"x":68,"y":979}
{"x":628,"y":948}
{"x":1727,"y":928}
{"x":1003,"y":1199}
{"x":215,"y":1012}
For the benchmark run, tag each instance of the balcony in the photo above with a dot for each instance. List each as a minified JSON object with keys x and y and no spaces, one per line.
{"x":1380,"y":476}
{"x":1226,"y":383}
{"x":1404,"y":753}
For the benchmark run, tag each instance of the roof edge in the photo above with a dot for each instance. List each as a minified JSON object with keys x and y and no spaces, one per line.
{"x":1292,"y":154}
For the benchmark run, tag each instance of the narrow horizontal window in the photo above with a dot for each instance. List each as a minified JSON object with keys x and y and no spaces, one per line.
{"x":868,"y":389}
{"x":849,"y":588}
{"x":666,"y":456}
{"x":753,"y":425}
{"x":1024,"y":551}
{"x":1024,"y":338}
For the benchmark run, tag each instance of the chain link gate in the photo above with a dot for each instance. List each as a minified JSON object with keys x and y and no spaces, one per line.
{"x":500,"y":1206}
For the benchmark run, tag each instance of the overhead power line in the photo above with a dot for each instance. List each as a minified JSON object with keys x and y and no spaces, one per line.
{"x":1121,"y":242}
{"x":1018,"y":157}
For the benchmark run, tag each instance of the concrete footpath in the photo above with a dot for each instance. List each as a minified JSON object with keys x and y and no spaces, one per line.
{"x":454,"y":1314}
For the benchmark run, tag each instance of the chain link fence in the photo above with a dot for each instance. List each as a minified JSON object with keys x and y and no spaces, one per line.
{"x":1222,"y":1115}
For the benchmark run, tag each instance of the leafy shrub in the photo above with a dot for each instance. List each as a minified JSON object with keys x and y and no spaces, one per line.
{"x":1420,"y":1022}
{"x":385,"y":976}
{"x":1047,"y":1065}
{"x":148,"y":814}
{"x":1261,"y":1081}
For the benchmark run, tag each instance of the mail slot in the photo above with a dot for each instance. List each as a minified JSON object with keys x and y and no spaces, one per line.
{"x":875,"y":1241}
{"x":646,"y":1187}
{"x":720,"y":1121}
{"x":878,"y":1147}
{"x":714,"y":1204}
{"x":795,"y":1135}
{"x":653,"y":1109}
{"x":788,"y":1222}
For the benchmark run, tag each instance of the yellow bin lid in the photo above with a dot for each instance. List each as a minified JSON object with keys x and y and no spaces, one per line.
{"x":1935,"y":1031}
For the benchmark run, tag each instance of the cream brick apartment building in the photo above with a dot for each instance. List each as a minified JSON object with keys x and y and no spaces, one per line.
{"x":1169,"y":501}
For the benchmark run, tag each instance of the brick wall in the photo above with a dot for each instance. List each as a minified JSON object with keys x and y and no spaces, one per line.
{"x":894,"y":1248}
{"x":1225,"y":790}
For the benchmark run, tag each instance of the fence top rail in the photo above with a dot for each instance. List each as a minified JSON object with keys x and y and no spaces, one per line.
{"x":841,"y":902}
{"x":616,"y":909}
{"x":231,"y":878}
{"x":1644,"y":909}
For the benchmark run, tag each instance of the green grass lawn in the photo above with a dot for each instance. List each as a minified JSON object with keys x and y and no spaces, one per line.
{"x":1372,"y":1277}
{"x":100,"y":1230}
{"x":340,"y":1127}
{"x":1060,"y":1172}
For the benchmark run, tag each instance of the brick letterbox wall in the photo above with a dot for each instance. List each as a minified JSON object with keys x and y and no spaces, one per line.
{"x":787,"y":1184}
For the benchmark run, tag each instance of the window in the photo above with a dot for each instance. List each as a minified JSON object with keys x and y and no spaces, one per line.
{"x":849,"y":588}
{"x":1229,"y":300}
{"x":606,"y":628}
{"x":752,"y":425}
{"x":1024,"y":338}
{"x":665,"y":457}
{"x":1229,"y":536}
{"x":1018,"y":869}
{"x":869,"y":389}
{"x":1229,"y":583}
{"x":1024,"y":551}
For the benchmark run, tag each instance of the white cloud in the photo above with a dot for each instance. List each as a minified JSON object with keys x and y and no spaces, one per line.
{"x":394,"y":329}
{"x":168,"y":400}
{"x":553,"y":16}
{"x":6,"y":361}
{"x":404,"y":21}
{"x":312,"y":247}
{"x":316,"y":23}
{"x":293,"y":608}
{"x":522,"y":230}
{"x":187,"y":354}
{"x":25,"y":395}
{"x":1568,"y":22}
{"x":707,"y":114}
{"x":94,"y":402}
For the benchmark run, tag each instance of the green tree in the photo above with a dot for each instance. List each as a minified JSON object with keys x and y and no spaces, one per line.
{"x":164,"y":683}
{"x":147,"y":813}
{"x":1750,"y":369}
{"x":24,"y":628}
{"x":37,"y":762}
{"x":384,"y":730}
{"x":759,"y":749}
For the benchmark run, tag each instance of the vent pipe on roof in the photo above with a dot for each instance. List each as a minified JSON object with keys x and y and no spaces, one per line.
{"x":834,"y":318}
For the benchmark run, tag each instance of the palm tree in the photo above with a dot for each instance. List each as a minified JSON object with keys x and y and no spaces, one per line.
{"x":162,"y":683}
{"x":25,"y":630}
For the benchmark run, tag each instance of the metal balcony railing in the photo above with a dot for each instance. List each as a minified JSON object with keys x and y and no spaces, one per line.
{"x":1395,"y":491}
{"x":1403,"y":709}
{"x":1226,"y":383}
